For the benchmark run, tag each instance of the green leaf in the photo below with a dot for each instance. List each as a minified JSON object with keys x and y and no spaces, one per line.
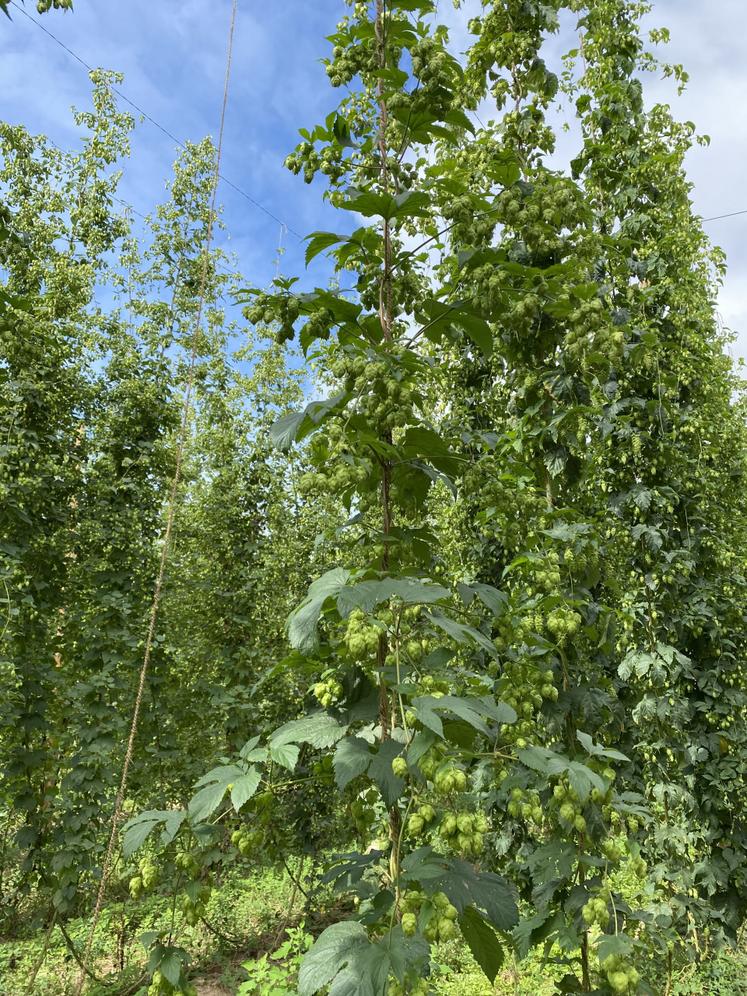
{"x":419,"y":745}
{"x":302,"y":622}
{"x":369,"y":204}
{"x":406,"y":954}
{"x":530,"y":930}
{"x":567,"y":532}
{"x":493,"y":599}
{"x":137,"y":830}
{"x":428,"y":445}
{"x":462,"y":633}
{"x":546,"y":762}
{"x":348,"y":962}
{"x":341,"y":131}
{"x":472,"y":710}
{"x":380,"y":771}
{"x":583,"y":779}
{"x":331,"y":952}
{"x":444,"y":316}
{"x":148,"y":938}
{"x":244,"y":788}
{"x":296,"y":426}
{"x":283,"y":432}
{"x":352,"y":758}
{"x":409,"y":204}
{"x":614,"y":944}
{"x":368,"y":595}
{"x":424,"y":6}
{"x":215,"y":785}
{"x":463,"y":885}
{"x":286,"y":755}
{"x":596,"y":750}
{"x":223,"y":773}
{"x":412,"y":204}
{"x":172,"y":824}
{"x":206,"y":801}
{"x":170,"y":966}
{"x":483,"y":942}
{"x":477,"y":329}
{"x":319,"y":730}
{"x":319,"y":241}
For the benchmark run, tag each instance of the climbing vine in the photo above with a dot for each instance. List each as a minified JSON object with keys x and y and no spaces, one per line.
{"x":508,"y":535}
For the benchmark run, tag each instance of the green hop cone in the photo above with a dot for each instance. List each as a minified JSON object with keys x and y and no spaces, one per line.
{"x":399,"y":767}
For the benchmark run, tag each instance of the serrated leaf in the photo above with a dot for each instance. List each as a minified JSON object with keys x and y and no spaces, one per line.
{"x":352,"y":758}
{"x":542,"y":760}
{"x":206,"y":801}
{"x":493,"y":599}
{"x":462,"y":633}
{"x":530,"y":930}
{"x":249,"y":747}
{"x":477,"y":329}
{"x":420,"y":745}
{"x":368,"y":203}
{"x":349,"y":869}
{"x":567,"y":531}
{"x":341,"y":131}
{"x":613,"y":944}
{"x":380,"y":771}
{"x":244,"y":788}
{"x":408,"y":204}
{"x":472,"y":710}
{"x":583,"y":779}
{"x":368,"y":595}
{"x":222,"y":773}
{"x":596,"y":750}
{"x":170,"y":966}
{"x":483,"y":942}
{"x":352,"y":965}
{"x":302,"y":622}
{"x":319,"y":730}
{"x":428,"y":445}
{"x":283,"y":431}
{"x":137,"y":830}
{"x":286,"y":755}
{"x":319,"y":241}
{"x":424,"y":6}
{"x":331,"y":952}
{"x":172,"y":824}
{"x":295,"y":426}
{"x":148,"y":938}
{"x":463,"y":885}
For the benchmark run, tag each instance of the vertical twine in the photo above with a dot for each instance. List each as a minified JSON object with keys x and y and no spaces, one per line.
{"x":171,"y":511}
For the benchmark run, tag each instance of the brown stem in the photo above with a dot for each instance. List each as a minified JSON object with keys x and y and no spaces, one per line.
{"x":668,"y":990}
{"x":386,"y":312}
{"x":121,"y":940}
{"x":385,"y":290}
{"x":585,"y":977}
{"x":42,"y":956}
{"x":74,"y":952}
{"x":233,"y":941}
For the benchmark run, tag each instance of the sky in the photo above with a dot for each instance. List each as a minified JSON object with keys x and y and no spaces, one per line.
{"x":172,"y":53}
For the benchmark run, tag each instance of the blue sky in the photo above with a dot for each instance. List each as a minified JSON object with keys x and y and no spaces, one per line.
{"x":172,"y":53}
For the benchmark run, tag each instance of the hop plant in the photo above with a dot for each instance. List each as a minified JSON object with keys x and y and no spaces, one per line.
{"x":622,"y":977}
{"x":361,"y":635}
{"x":328,"y":691}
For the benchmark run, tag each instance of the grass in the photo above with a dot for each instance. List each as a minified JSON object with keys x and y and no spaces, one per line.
{"x":246,"y":918}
